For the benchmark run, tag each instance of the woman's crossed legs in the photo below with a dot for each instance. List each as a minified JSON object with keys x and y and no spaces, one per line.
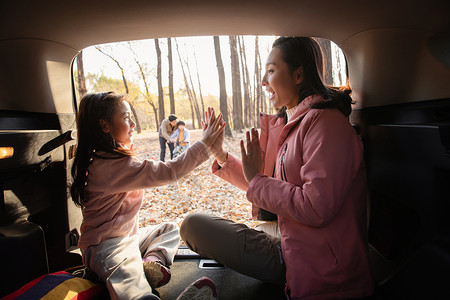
{"x":248,"y":251}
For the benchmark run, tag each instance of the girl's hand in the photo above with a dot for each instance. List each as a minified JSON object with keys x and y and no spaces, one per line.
{"x":217,"y":147}
{"x":212,"y":128}
{"x":252,"y":159}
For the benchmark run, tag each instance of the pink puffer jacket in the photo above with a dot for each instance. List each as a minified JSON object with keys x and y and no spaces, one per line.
{"x":319,"y":194}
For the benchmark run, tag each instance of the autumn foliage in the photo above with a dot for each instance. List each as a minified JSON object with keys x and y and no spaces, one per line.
{"x":198,"y":191}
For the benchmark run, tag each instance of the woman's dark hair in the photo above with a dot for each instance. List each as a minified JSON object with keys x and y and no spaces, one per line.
{"x":91,"y":138}
{"x":180,"y":123}
{"x":305,"y":52}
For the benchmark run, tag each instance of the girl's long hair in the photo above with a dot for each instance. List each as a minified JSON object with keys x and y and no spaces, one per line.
{"x":91,"y":138}
{"x":305,"y":52}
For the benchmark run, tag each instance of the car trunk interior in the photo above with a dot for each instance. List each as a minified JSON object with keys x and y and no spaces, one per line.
{"x":398,"y":64}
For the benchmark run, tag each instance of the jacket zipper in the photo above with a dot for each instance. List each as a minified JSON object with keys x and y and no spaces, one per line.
{"x":283,"y":167}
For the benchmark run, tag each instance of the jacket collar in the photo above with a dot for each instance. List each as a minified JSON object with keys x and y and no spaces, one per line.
{"x":304,"y":106}
{"x":302,"y":109}
{"x":278,"y":127}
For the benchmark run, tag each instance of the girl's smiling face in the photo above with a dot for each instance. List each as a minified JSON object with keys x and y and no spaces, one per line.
{"x":121,"y":126}
{"x":282,"y":84}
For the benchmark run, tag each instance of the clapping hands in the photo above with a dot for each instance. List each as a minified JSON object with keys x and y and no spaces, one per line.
{"x":216,"y":147}
{"x":252,"y":157}
{"x":213,"y":127}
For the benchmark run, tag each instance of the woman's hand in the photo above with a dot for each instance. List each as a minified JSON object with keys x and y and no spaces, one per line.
{"x":212,"y":128}
{"x":252,"y":158}
{"x":217,"y":147}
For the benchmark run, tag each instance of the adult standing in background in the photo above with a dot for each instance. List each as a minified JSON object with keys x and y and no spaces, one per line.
{"x":165,"y":131}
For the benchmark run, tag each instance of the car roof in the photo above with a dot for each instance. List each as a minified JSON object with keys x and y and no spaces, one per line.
{"x":397,"y":51}
{"x":82,"y":23}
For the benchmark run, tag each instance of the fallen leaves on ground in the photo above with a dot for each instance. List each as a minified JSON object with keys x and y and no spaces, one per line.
{"x":199,"y":191}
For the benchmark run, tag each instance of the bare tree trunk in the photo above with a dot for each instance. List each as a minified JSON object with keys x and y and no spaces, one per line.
{"x":125,"y":83}
{"x":244,"y":81}
{"x":253,"y":112}
{"x":223,"y":90}
{"x":199,"y":85}
{"x":192,"y":110}
{"x":133,"y":111}
{"x":194,"y":95}
{"x":188,"y":89}
{"x":258,"y":88}
{"x":171,"y":94}
{"x":236,"y":84}
{"x":160,"y":88}
{"x":327,"y":67}
{"x":261,"y":92}
{"x":255,"y":99}
{"x":147,"y":94}
{"x":80,"y":72}
{"x":339,"y":78}
{"x":155,"y":111}
{"x":248,"y":115}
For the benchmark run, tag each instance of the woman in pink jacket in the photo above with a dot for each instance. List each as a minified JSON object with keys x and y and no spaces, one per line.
{"x":307,"y":172}
{"x":108,"y":186}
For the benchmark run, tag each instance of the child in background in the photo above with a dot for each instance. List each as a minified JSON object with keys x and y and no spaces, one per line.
{"x":108,"y":186}
{"x":181,"y":138}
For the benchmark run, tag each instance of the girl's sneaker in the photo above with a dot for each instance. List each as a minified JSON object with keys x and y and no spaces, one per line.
{"x":156,"y":273}
{"x":201,"y":289}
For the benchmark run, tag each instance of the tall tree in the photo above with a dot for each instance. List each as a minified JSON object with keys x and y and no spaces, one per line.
{"x":191,"y":106}
{"x":325,"y":45}
{"x":339,"y":71}
{"x":80,"y":75}
{"x":248,"y":111}
{"x":194,"y":94}
{"x":160,"y":88}
{"x":223,"y":90}
{"x":236,"y":84}
{"x":171,"y":94}
{"x":188,"y":89}
{"x":258,"y":87}
{"x":263,"y":95}
{"x":147,"y":96}
{"x":125,"y":83}
{"x":199,"y":84}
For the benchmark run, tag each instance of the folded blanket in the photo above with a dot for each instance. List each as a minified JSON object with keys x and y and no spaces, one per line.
{"x":59,"y":285}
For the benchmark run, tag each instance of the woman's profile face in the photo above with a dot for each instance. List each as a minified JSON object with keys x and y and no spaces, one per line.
{"x":280,"y":82}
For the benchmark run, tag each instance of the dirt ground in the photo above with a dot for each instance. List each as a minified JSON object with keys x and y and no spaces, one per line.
{"x":199,"y":191}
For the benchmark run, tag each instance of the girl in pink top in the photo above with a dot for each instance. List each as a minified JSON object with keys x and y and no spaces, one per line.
{"x":108,"y":186}
{"x":306,"y":173}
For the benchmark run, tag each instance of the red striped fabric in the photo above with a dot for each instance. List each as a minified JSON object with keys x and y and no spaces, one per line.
{"x":58,"y":285}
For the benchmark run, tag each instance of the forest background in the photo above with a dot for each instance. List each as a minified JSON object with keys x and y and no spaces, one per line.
{"x":183,"y":76}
